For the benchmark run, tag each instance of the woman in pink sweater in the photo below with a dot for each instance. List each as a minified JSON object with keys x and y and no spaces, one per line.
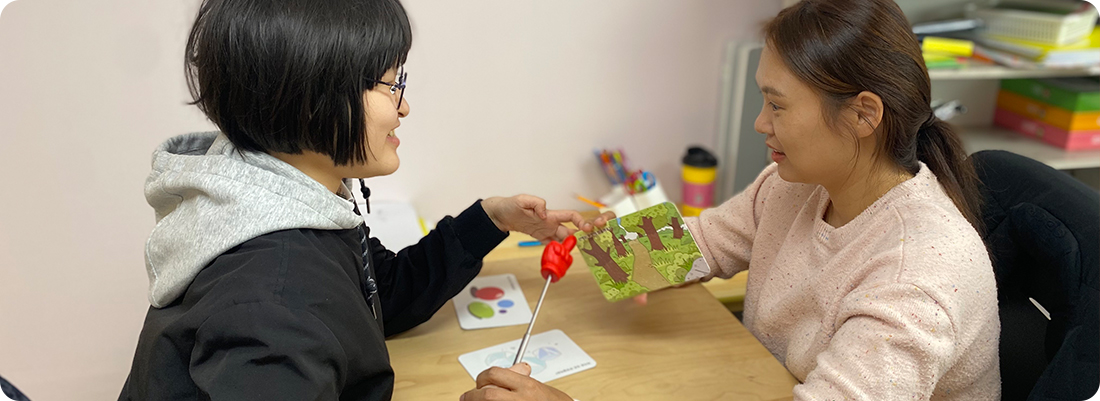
{"x":867,"y":276}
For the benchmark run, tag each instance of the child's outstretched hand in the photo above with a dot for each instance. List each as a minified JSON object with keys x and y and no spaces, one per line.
{"x":527,"y":214}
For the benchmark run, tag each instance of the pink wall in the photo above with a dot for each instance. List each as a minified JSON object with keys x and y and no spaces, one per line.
{"x":507,"y":97}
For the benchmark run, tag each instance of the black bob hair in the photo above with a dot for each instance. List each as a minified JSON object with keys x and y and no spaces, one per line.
{"x":289,"y":75}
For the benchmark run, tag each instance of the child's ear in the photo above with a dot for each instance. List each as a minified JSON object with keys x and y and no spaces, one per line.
{"x":868,"y":108}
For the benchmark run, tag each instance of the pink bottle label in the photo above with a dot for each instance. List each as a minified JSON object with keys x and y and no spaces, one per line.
{"x":699,"y":195}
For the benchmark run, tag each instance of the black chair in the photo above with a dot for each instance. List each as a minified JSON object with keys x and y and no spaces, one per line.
{"x":1042,"y":232}
{"x":9,"y":391}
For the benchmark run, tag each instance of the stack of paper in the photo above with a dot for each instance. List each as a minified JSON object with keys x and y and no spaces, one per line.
{"x":1021,"y":53}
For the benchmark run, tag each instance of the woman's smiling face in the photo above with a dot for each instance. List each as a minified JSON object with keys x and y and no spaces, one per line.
{"x":805,"y":147}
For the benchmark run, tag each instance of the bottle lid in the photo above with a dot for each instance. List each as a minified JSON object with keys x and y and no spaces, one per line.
{"x":699,"y":157}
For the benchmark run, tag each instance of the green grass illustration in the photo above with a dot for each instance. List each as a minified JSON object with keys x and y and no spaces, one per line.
{"x":640,"y":252}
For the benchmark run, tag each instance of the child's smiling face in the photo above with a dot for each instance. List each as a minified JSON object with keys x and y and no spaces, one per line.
{"x":383,"y":117}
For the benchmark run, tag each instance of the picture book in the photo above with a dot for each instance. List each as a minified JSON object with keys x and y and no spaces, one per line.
{"x":641,"y":252}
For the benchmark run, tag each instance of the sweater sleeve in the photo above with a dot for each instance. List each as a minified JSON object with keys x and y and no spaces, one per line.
{"x":894,"y":342}
{"x":416,"y":281}
{"x":265,"y":351}
{"x":725,"y":233}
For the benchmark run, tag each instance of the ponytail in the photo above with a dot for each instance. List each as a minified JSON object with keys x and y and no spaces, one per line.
{"x":941,"y":149}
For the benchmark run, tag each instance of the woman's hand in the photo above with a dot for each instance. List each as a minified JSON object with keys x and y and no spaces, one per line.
{"x":512,"y":384}
{"x":644,"y":298}
{"x":527,"y":214}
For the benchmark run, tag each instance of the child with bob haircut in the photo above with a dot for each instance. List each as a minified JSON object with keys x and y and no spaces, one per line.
{"x":264,"y":282}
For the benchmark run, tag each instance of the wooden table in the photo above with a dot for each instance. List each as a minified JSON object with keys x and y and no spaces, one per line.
{"x":683,"y":345}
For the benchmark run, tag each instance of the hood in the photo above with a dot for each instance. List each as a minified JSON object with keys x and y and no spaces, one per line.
{"x":209,"y":197}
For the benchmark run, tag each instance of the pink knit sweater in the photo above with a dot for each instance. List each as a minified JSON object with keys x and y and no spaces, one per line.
{"x":898,"y":304}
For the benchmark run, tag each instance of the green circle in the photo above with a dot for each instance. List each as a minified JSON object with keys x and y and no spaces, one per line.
{"x":480,"y":310}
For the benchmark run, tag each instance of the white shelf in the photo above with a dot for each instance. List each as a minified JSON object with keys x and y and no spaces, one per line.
{"x":990,"y":71}
{"x":988,"y":138}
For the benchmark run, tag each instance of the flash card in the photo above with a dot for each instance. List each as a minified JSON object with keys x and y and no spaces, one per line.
{"x":552,"y":355}
{"x":492,"y":301}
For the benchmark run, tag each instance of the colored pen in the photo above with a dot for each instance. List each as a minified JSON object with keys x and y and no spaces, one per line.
{"x":589,"y":201}
{"x":603,"y":164}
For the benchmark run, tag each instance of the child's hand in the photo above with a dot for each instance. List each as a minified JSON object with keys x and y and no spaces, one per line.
{"x":527,"y":214}
{"x":514,"y":383}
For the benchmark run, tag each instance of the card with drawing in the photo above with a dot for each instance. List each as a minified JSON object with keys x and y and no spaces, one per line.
{"x":641,"y":252}
{"x":551,"y":354}
{"x":492,"y":301}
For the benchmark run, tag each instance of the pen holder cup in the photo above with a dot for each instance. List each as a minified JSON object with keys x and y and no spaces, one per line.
{"x":618,"y":201}
{"x":622,"y":203}
{"x":653,"y":196}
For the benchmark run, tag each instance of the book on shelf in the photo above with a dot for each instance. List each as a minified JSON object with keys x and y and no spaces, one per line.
{"x":1068,"y":140}
{"x":934,"y":61}
{"x":946,"y":46}
{"x":946,"y":26}
{"x":1070,"y":93}
{"x":1008,"y":59}
{"x":1053,"y":115}
{"x":1083,"y":52}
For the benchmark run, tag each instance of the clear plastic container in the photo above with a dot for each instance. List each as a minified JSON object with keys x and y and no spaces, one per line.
{"x":1053,"y":26}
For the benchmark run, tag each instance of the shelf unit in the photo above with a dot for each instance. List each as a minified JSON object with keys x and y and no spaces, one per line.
{"x":977,"y":85}
{"x":989,"y":138}
{"x":990,"y":71}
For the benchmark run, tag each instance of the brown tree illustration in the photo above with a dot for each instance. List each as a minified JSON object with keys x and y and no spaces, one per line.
{"x":619,"y":248}
{"x":603,"y":259}
{"x":646,"y":222}
{"x":651,"y":233}
{"x":677,"y":230}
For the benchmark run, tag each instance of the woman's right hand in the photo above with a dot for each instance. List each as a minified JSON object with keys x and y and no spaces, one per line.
{"x":644,"y":298}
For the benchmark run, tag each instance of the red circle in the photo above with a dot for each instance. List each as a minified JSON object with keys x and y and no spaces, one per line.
{"x":489,"y":293}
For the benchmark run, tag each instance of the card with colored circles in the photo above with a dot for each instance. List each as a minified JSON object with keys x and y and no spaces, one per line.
{"x":551,"y":354}
{"x":492,"y":301}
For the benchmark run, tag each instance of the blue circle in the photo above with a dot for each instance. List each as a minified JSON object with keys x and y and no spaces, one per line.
{"x":506,"y":303}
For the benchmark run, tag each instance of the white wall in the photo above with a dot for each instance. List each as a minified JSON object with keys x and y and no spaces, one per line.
{"x":511,"y":97}
{"x":507,"y":97}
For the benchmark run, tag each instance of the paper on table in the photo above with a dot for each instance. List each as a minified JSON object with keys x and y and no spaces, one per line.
{"x":396,"y":224}
{"x":492,"y":301}
{"x":551,"y":354}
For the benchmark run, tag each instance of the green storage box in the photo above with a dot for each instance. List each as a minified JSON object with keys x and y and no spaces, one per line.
{"x":1074,"y":94}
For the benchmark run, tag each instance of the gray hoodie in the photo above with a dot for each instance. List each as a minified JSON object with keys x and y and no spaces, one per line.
{"x":209,"y":197}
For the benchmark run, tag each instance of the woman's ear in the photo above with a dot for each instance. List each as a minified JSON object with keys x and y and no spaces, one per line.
{"x":868,"y":109}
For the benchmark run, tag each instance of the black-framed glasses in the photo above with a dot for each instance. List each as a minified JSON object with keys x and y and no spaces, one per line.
{"x":396,"y":88}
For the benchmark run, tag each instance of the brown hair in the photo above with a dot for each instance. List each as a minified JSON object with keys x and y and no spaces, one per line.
{"x":844,"y":47}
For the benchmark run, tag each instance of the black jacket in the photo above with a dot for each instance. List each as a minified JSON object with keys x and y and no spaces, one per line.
{"x":283,"y":316}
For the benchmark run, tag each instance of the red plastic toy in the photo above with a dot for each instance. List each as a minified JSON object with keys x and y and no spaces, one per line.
{"x":556,"y":258}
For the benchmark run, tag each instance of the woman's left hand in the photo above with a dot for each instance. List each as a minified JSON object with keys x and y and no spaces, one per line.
{"x":527,"y":214}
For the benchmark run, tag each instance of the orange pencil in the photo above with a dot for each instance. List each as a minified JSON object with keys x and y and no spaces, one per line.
{"x":589,"y":201}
